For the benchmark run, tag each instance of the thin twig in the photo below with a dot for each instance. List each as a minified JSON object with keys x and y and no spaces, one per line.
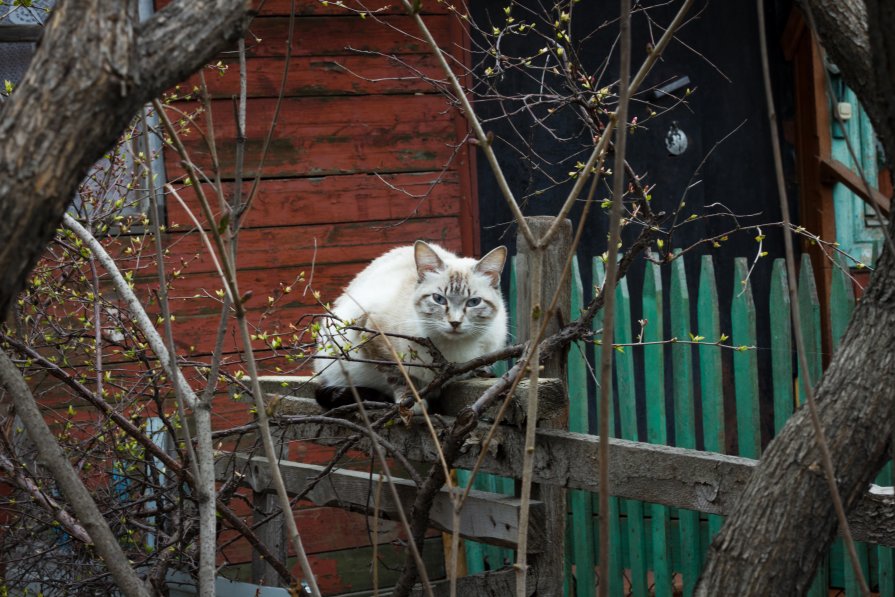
{"x":618,"y":189}
{"x":52,"y":457}
{"x":383,"y":462}
{"x":630,"y":90}
{"x":536,"y":262}
{"x":484,"y":140}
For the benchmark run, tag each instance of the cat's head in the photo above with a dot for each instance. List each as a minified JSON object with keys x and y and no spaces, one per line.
{"x":458,"y":298}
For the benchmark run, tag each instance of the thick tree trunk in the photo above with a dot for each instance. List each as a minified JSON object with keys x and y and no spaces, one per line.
{"x":784,"y":521}
{"x":95,"y":66}
{"x":93,"y":70}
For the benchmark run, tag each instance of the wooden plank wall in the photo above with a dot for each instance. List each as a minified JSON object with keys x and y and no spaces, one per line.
{"x":354,"y":119}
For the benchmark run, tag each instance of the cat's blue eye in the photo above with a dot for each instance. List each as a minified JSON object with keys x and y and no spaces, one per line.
{"x":439,"y":299}
{"x":474,"y":302}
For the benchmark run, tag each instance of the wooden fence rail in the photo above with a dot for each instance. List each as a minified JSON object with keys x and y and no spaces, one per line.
{"x":668,"y":500}
{"x":677,"y":477}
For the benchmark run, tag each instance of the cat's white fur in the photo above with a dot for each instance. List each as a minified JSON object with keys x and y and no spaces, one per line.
{"x":420,"y":290}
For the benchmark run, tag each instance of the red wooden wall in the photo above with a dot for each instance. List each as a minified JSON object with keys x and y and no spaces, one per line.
{"x":347,"y":116}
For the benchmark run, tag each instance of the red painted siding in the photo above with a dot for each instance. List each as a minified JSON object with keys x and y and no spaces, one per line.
{"x":350,"y":124}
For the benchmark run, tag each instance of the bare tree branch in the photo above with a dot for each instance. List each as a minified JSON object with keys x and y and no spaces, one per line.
{"x":92,"y":71}
{"x":69,"y":482}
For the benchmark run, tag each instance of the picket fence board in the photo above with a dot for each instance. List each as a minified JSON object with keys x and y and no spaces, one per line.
{"x":684,"y":415}
{"x":580,"y":529}
{"x":654,"y":390}
{"x":627,"y":400}
{"x":616,"y":580}
{"x":712,"y":386}
{"x":780,"y":318}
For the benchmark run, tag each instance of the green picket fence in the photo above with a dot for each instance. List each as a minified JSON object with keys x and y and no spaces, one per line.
{"x":656,"y":550}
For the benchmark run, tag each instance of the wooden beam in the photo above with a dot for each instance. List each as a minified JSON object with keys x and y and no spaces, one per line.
{"x":676,"y":477}
{"x":486,"y":584}
{"x":833,"y":171}
{"x":20,"y":33}
{"x":455,"y":397}
{"x":548,"y":569}
{"x":486,"y":517}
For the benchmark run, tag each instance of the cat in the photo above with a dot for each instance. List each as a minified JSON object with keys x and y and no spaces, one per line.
{"x":422,"y":291}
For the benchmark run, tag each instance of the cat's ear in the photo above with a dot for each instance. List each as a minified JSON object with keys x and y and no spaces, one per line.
{"x":427,"y":260}
{"x":492,"y":264}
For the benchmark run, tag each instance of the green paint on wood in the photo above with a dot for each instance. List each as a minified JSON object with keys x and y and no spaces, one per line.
{"x":616,"y":566}
{"x":654,"y":390}
{"x":745,"y":362}
{"x":781,"y":345}
{"x":684,"y":418}
{"x":709,"y":327}
{"x":627,"y":400}
{"x":809,"y":308}
{"x":842,"y":300}
{"x":475,"y":551}
{"x":580,"y":533}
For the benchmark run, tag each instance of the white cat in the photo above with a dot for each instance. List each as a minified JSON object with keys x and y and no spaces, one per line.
{"x":422,"y":291}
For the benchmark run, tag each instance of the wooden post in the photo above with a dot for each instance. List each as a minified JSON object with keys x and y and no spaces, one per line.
{"x":272,"y":534}
{"x":264,"y":504}
{"x":546,"y":569}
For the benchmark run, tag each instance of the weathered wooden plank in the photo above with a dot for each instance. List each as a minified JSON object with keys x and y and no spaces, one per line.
{"x":654,"y":389}
{"x":343,"y":7}
{"x":842,"y":300}
{"x":455,"y":397}
{"x":262,"y":248}
{"x":489,"y":584}
{"x":315,"y":76}
{"x":334,"y":199}
{"x":627,"y":400}
{"x":781,"y":344}
{"x":684,"y":416}
{"x":342,"y":571}
{"x":616,"y":579}
{"x":580,"y":532}
{"x":745,"y":361}
{"x":486,"y":517}
{"x":708,"y":325}
{"x":547,"y":569}
{"x":350,"y":570}
{"x":809,"y":308}
{"x":272,"y":533}
{"x":334,"y":7}
{"x":672,"y":476}
{"x":334,"y":135}
{"x":551,"y":400}
{"x":480,"y":556}
{"x":327,"y":36}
